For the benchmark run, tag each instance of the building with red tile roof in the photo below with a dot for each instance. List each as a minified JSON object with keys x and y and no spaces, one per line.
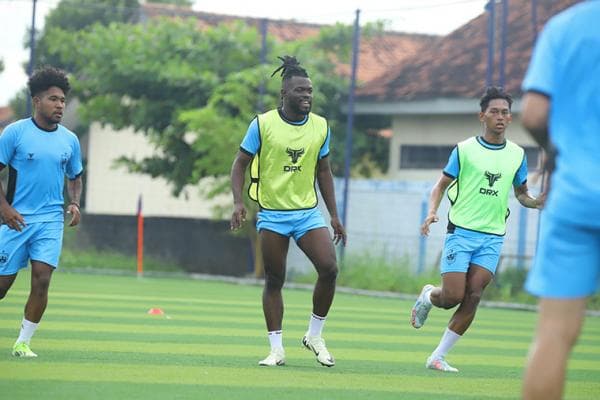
{"x":433,"y":97}
{"x":455,"y":66}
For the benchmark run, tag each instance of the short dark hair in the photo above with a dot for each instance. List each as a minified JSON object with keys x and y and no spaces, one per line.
{"x":45,"y":77}
{"x":290,"y":67}
{"x":492,"y":93}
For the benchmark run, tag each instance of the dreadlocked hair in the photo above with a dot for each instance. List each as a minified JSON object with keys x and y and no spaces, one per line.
{"x":290,"y":67}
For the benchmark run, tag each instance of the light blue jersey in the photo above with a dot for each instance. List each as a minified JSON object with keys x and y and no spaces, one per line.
{"x":38,"y":161}
{"x":565,"y":66}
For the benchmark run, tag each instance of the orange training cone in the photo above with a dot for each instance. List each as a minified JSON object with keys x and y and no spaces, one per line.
{"x":156,"y":311}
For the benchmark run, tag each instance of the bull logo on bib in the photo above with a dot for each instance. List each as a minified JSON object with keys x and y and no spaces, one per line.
{"x":294,"y":154}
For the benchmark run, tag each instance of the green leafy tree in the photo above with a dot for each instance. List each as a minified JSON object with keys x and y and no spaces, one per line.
{"x":192,"y":92}
{"x":19,"y":104}
{"x":370,"y":151}
{"x":76,"y":15}
{"x":71,"y":16}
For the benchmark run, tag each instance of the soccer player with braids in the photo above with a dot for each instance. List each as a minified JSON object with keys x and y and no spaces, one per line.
{"x":39,"y":153}
{"x":287,"y":149}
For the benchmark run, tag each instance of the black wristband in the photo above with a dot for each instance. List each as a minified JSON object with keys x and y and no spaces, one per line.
{"x":74,"y":203}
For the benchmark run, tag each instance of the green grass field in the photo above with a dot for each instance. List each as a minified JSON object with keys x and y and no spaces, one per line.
{"x":98,"y":342}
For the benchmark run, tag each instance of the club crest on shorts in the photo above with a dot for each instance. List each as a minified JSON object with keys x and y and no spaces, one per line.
{"x":450,"y":256}
{"x":3,"y":257}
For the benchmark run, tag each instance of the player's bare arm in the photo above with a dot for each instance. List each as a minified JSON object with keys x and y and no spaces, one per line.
{"x":238,"y":171}
{"x":435,"y":199}
{"x":74,"y":187}
{"x":325,"y":180}
{"x":536,"y":107}
{"x":527,"y":200}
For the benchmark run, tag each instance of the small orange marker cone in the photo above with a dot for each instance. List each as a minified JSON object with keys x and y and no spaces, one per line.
{"x":156,"y":311}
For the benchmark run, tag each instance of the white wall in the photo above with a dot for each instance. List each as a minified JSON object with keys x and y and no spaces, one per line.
{"x":439,"y":130}
{"x":113,"y":190}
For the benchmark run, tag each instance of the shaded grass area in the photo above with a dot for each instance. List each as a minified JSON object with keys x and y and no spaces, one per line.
{"x":98,"y":342}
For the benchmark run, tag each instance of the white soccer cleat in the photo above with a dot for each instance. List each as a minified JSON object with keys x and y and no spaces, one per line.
{"x":275,"y":358}
{"x":421,"y":308}
{"x":439,"y":364}
{"x":316,"y":344}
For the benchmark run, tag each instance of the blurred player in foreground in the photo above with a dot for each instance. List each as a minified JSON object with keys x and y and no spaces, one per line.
{"x":561,"y":110}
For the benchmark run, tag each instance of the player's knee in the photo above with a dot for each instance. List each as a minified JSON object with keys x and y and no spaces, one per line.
{"x":328,"y":272}
{"x":3,"y":292}
{"x":40,"y":287}
{"x":569,"y":335}
{"x":450,"y":303}
{"x":474,"y":297}
{"x":450,"y":300}
{"x":273,"y":281}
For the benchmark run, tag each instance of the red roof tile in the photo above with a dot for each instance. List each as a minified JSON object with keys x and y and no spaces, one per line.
{"x":456,"y":65}
{"x":377,"y":55}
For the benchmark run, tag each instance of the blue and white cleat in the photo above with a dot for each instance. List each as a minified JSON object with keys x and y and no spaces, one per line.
{"x":421,"y":308}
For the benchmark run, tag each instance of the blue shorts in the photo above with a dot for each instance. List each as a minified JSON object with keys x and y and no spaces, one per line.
{"x":290,"y":223}
{"x":41,"y":241}
{"x":463,"y":247}
{"x":567,"y":261}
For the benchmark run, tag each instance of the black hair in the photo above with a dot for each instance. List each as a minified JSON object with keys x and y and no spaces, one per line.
{"x":45,"y":77}
{"x":290,"y":67}
{"x":494,"y":92}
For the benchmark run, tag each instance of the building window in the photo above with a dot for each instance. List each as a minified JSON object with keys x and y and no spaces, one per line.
{"x":436,"y":157}
{"x":424,"y":156}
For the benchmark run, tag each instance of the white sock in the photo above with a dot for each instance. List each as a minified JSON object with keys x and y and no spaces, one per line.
{"x":315,"y":326}
{"x":27,"y":330}
{"x":449,"y":338}
{"x":276,"y":339}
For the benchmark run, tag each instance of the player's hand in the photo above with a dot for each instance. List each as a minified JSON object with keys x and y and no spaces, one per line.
{"x":75,"y":212}
{"x":12,"y":218}
{"x":339,"y":233}
{"x":238,"y":216}
{"x":431,"y":219}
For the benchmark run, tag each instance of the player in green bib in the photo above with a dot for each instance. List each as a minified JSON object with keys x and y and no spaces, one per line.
{"x":287,"y":150}
{"x":479,"y":176}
